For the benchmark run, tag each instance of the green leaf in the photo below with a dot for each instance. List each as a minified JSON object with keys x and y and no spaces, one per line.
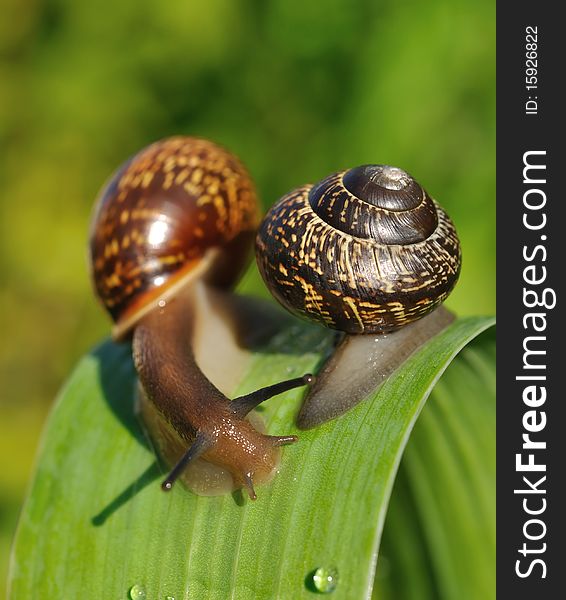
{"x":441,"y":521}
{"x":96,"y":522}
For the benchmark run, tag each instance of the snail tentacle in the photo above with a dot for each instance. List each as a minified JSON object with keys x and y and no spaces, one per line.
{"x":242,"y":405}
{"x":201,"y":444}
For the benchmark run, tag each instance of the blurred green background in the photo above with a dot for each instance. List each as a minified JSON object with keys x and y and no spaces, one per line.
{"x":297,"y":89}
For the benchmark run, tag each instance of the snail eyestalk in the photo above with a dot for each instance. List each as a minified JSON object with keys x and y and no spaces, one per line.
{"x":242,"y":405}
{"x":198,"y":447}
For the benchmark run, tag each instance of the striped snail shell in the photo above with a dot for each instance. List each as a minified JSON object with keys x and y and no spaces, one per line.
{"x":161,"y":218}
{"x":366,"y":250}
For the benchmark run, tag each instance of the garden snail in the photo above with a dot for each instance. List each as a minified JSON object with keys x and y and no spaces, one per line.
{"x":364,"y":251}
{"x":181,"y":212}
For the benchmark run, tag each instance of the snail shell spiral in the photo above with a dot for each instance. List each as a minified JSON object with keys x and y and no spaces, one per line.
{"x":366,"y":250}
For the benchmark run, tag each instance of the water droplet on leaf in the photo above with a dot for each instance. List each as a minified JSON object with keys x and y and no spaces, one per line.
{"x":137,"y":592}
{"x":325,"y":579}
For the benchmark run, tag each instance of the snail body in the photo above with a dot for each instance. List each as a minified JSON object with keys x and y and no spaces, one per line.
{"x":179,"y":215}
{"x":364,"y":251}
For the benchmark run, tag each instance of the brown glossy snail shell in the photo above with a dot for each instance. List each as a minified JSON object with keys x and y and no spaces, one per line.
{"x":179,"y":207}
{"x":363,"y":251}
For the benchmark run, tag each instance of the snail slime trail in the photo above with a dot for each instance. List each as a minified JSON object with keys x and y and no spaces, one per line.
{"x":530,"y":463}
